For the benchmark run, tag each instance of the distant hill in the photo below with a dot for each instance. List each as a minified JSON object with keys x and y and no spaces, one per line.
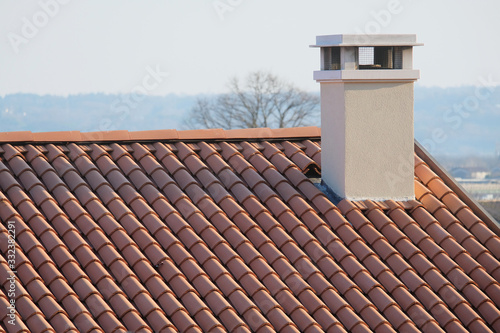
{"x":458,"y":121}
{"x":91,"y":112}
{"x":452,"y":121}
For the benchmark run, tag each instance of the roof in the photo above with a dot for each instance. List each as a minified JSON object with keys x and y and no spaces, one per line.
{"x":207,"y":231}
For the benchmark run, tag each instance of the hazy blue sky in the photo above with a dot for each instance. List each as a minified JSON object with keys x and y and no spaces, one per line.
{"x":112,"y":46}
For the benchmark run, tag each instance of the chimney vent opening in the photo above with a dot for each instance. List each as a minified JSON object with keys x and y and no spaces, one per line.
{"x":331,"y":58}
{"x":366,"y":56}
{"x":380,"y":57}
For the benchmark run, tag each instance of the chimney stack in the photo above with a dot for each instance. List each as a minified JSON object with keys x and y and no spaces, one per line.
{"x":367,"y":115}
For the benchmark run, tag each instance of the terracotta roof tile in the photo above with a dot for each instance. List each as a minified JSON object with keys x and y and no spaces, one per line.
{"x":104,"y":136}
{"x":68,"y":136}
{"x":154,"y":135}
{"x":222,"y":230}
{"x":249,"y":132}
{"x":21,"y":136}
{"x":298,"y":132}
{"x":204,"y":134}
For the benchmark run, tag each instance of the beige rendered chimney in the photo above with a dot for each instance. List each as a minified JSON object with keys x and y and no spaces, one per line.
{"x":367,"y":115}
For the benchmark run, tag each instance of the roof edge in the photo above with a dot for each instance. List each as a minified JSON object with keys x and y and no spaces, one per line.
{"x":18,"y":136}
{"x":479,"y":210}
{"x":159,"y":135}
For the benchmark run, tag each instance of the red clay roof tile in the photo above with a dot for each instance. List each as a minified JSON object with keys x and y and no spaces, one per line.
{"x":204,"y":134}
{"x":249,"y":132}
{"x":21,"y":136}
{"x":154,"y":135}
{"x":104,"y":136}
{"x":68,"y":136}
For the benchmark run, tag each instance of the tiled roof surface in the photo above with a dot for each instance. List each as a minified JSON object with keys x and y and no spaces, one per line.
{"x":199,"y":232}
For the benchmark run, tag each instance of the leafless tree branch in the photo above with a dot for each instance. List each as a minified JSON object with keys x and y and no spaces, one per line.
{"x":262,"y":100}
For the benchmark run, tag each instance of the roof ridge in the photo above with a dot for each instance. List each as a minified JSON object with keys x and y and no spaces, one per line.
{"x":164,"y":134}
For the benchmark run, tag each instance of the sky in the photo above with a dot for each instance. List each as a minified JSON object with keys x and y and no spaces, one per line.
{"x":160,"y":47}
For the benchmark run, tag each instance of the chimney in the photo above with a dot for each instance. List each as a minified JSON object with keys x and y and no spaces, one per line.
{"x":367,"y":115}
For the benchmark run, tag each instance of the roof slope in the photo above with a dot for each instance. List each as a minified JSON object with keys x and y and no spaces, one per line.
{"x":194,"y":234}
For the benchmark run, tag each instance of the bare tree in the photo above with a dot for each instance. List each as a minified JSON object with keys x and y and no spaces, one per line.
{"x":263,"y":100}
